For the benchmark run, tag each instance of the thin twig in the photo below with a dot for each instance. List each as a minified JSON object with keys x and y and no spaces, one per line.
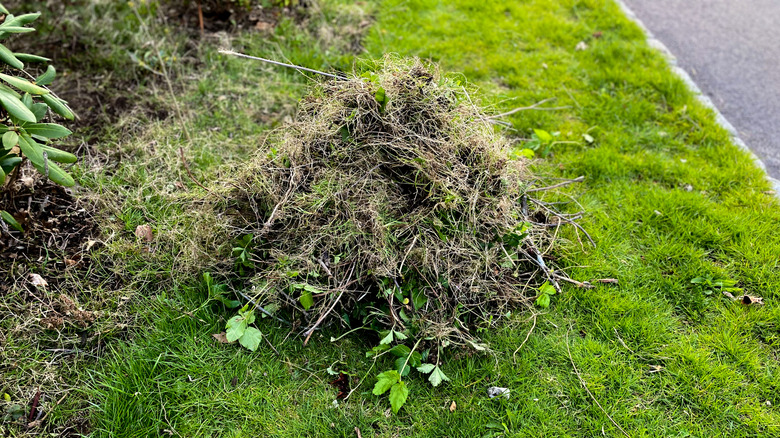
{"x":336,"y":301}
{"x":565,"y":219}
{"x":40,"y":421}
{"x":187,"y":168}
{"x":621,"y":341}
{"x":297,"y":67}
{"x":271,"y":345}
{"x":322,"y":317}
{"x":555,"y":186}
{"x":34,"y":406}
{"x":528,"y":335}
{"x":200,"y":19}
{"x":408,"y":250}
{"x":287,"y":361}
{"x":531,"y":107}
{"x":267,"y":225}
{"x":325,"y":267}
{"x":361,"y":380}
{"x":582,"y":284}
{"x":585,"y":385}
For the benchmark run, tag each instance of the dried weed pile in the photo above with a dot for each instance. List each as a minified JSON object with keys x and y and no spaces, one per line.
{"x":390,"y":202}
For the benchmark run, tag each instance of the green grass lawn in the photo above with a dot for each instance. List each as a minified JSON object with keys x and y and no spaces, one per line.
{"x":667,"y":198}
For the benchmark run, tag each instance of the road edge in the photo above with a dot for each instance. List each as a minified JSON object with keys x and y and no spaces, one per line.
{"x":671,"y":60}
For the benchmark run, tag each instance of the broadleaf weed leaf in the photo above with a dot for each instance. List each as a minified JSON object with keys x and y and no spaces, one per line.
{"x":251,"y":338}
{"x":385,"y":380}
{"x":426,"y":368}
{"x":235,"y":328}
{"x":437,"y":376}
{"x":398,"y":395}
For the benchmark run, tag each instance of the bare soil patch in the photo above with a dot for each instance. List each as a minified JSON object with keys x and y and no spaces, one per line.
{"x":57,"y":227}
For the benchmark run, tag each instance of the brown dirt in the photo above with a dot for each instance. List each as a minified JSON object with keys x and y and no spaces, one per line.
{"x":222,"y":15}
{"x":57,"y":227}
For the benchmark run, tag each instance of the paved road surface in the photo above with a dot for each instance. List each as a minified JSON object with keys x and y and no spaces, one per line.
{"x":731,"y":49}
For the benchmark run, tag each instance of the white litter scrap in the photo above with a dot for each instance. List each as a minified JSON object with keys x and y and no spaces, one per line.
{"x":495,"y":391}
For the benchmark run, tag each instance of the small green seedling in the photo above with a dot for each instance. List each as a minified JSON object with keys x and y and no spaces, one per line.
{"x":406,"y":359}
{"x":243,"y":253}
{"x":546,"y":291}
{"x":218,"y":292}
{"x":238,"y":329}
{"x":399,"y":392}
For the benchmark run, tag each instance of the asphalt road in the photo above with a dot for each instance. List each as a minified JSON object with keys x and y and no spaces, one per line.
{"x":731,"y":49}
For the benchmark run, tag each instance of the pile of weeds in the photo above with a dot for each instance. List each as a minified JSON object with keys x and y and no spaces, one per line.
{"x":391,"y":202}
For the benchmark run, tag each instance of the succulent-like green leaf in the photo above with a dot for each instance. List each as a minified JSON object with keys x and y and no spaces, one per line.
{"x":543,"y":300}
{"x":543,"y":135}
{"x":26,"y":57}
{"x":58,"y":106}
{"x":400,"y":350}
{"x":32,"y":150}
{"x":426,"y":368}
{"x":10,"y":90}
{"x":3,"y":10}
{"x":15,"y":107}
{"x":27,"y":100}
{"x":437,"y":376}
{"x":20,"y":20}
{"x":11,"y":221}
{"x":57,"y":174}
{"x":48,"y":130}
{"x":16,"y":29}
{"x":39,"y":110}
{"x":236,"y":326}
{"x":10,"y":139}
{"x":9,"y":58}
{"x":47,"y":77}
{"x":35,"y":153}
{"x":306,"y":299}
{"x":402,"y":366}
{"x":387,"y":339}
{"x":59,"y":156}
{"x":23,"y":84}
{"x":8,"y":163}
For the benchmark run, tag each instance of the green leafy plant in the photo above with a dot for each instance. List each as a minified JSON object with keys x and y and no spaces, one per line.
{"x":709,"y":285}
{"x":406,"y":359}
{"x":399,"y":392}
{"x":243,"y":252}
{"x":546,"y":291}
{"x":238,"y":329}
{"x":25,"y":105}
{"x":218,"y":292}
{"x":541,"y":142}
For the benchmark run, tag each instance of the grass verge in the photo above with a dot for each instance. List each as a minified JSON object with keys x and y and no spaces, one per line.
{"x":668,"y":199}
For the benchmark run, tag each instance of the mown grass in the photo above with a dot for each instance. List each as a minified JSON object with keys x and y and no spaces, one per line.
{"x":668,"y":198}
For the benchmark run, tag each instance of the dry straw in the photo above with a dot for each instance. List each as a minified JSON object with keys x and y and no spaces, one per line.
{"x":392,"y":200}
